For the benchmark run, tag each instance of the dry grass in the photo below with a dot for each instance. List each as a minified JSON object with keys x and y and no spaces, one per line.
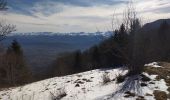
{"x":106,"y":78}
{"x":140,"y":98}
{"x":129,"y":94}
{"x":145,"y":78}
{"x":160,"y":95}
{"x":120,"y":78}
{"x":163,"y":73}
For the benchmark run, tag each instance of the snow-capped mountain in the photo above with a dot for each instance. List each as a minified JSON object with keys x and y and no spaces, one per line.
{"x":105,"y":34}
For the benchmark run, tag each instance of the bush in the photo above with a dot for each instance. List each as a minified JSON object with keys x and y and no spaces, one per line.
{"x":120,"y":78}
{"x":13,"y":69}
{"x":129,"y":94}
{"x":160,"y":95}
{"x":61,"y":95}
{"x":145,"y":78}
{"x":106,"y":78}
{"x":56,"y":95}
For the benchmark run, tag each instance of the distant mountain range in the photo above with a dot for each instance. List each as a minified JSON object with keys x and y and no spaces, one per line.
{"x":105,"y":34}
{"x":147,"y":26}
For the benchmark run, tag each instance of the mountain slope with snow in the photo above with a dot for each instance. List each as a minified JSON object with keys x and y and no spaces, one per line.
{"x":92,"y":85}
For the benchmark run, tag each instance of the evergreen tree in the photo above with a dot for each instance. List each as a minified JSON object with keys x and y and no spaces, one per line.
{"x":96,"y":62}
{"x":121,"y":36}
{"x":17,"y":72}
{"x":15,"y":48}
{"x":77,"y":62}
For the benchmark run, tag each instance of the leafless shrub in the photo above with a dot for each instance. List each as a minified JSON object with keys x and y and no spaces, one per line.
{"x":6,"y":29}
{"x":120,"y":78}
{"x":106,"y":78}
{"x":3,"y":5}
{"x":58,"y":94}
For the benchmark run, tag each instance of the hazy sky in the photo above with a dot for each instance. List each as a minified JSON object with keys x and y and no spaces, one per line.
{"x":76,"y":15}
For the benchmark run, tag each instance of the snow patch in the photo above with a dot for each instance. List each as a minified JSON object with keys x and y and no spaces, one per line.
{"x":153,"y":85}
{"x":82,"y":86}
{"x":153,"y":64}
{"x":86,"y":86}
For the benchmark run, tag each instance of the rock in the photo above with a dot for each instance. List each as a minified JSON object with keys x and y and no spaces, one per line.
{"x":143,"y":84}
{"x":147,"y":94}
{"x":151,"y":83}
{"x":77,"y":85}
{"x":145,"y":78}
{"x":129,"y":94}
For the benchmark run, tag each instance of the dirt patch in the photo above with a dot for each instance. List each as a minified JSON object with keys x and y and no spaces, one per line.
{"x":145,"y":78}
{"x":143,"y":84}
{"x":129,"y":94}
{"x":147,"y":94}
{"x":140,"y":98}
{"x":86,"y":80}
{"x":77,"y":85}
{"x":79,"y":75}
{"x":160,"y":95}
{"x":163,"y":73}
{"x":80,"y":82}
{"x":120,"y":78}
{"x":151,"y":83}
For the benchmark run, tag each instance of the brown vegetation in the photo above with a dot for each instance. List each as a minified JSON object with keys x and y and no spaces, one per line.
{"x":13,"y":67}
{"x":163,"y":73}
{"x":160,"y":95}
{"x":106,"y":78}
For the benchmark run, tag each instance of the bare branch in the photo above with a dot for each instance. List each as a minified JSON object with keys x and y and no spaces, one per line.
{"x":3,"y":5}
{"x":115,"y":23}
{"x":129,"y":15}
{"x":6,"y":29}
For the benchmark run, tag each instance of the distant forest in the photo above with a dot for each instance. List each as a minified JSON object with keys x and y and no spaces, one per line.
{"x":132,"y":48}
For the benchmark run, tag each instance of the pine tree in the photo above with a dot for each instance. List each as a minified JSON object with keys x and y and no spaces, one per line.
{"x":96,"y":62}
{"x":121,"y":36}
{"x":77,"y":62}
{"x":17,"y":72}
{"x":15,"y":48}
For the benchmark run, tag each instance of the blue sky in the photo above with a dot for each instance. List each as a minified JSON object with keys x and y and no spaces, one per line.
{"x":77,"y":15}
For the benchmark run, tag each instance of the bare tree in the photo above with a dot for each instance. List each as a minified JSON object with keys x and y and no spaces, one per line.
{"x":130,"y":18}
{"x":3,"y":5}
{"x":10,"y":63}
{"x":130,"y":51}
{"x":6,"y":29}
{"x":115,"y":24}
{"x":7,"y":62}
{"x":129,"y":15}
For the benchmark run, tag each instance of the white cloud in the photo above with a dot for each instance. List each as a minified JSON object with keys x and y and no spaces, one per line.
{"x":57,"y":17}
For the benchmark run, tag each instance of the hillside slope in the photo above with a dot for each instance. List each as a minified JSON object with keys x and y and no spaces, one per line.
{"x":100,"y":84}
{"x":155,"y":25}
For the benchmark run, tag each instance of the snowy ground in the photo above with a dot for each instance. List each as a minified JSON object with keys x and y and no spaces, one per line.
{"x":87,"y":86}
